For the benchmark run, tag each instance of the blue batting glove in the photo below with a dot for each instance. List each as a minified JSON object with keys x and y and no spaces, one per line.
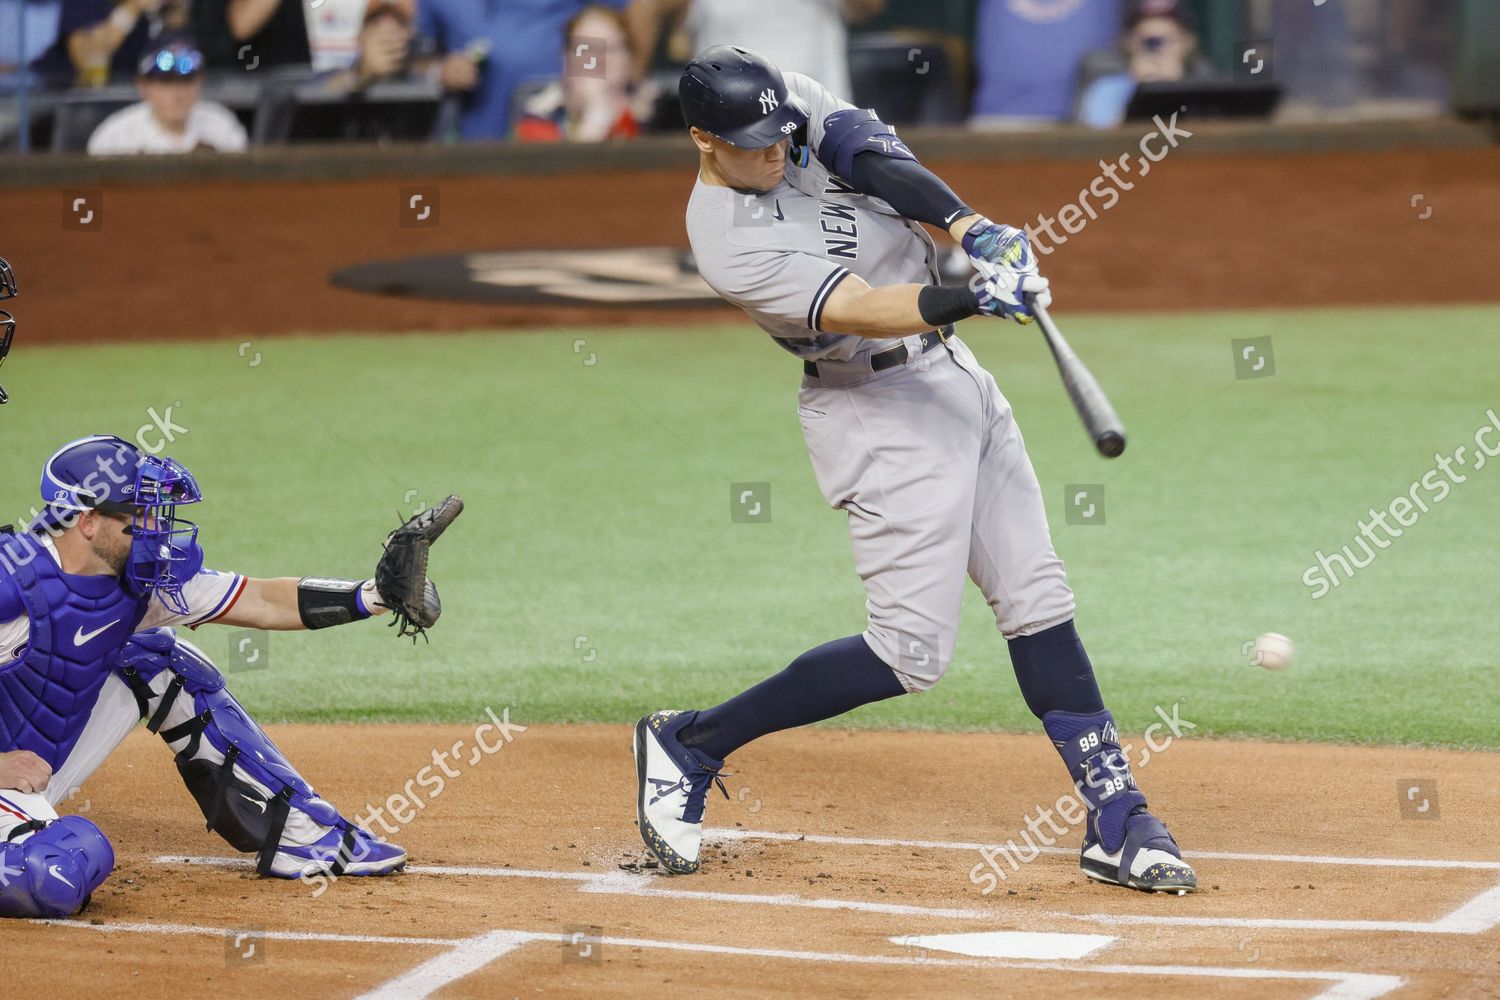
{"x":1007,"y":271}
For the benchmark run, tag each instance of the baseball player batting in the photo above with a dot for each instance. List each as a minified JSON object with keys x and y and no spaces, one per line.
{"x":805,"y":216}
{"x":88,"y":594}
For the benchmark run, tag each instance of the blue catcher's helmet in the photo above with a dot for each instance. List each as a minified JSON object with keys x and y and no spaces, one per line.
{"x":109,"y":474}
{"x":739,"y":96}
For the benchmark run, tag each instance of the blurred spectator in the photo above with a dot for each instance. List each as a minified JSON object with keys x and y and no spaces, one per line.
{"x":1373,"y":60}
{"x":170,"y":118}
{"x":28,"y":28}
{"x":251,"y":34}
{"x":1027,"y":54}
{"x":383,"y":47}
{"x":804,"y":36}
{"x":592,"y":106}
{"x":490,"y":48}
{"x":1159,"y":44}
{"x":333,"y":32}
{"x":100,"y":40}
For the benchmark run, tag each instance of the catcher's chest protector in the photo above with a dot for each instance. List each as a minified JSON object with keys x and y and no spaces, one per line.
{"x":77,"y":622}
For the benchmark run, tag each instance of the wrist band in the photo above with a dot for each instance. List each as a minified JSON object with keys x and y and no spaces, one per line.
{"x":323,"y":602}
{"x":944,"y":304}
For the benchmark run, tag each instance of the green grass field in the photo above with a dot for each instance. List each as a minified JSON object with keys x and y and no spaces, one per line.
{"x":596,"y":573}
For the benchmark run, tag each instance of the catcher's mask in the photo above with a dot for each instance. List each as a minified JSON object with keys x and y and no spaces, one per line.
{"x":111,"y":475}
{"x":8,"y":290}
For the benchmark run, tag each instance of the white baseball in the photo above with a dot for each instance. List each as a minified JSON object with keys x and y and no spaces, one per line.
{"x":1272,"y":651}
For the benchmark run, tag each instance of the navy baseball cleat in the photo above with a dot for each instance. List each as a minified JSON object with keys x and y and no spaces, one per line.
{"x":672,"y":783}
{"x":349,"y":851}
{"x":1149,"y":858}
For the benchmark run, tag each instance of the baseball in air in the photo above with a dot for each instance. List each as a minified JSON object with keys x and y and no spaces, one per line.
{"x":1272,"y":651}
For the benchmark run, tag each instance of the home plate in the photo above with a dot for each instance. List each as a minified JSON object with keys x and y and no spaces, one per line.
{"x":1008,"y":944}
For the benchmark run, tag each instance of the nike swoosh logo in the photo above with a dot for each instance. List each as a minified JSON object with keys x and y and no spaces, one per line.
{"x":777,"y":214}
{"x":254,"y":802}
{"x":80,"y":637}
{"x":55,"y":872}
{"x":949,"y":220}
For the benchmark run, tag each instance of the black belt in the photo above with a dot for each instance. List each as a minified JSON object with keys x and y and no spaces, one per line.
{"x":896,"y":355}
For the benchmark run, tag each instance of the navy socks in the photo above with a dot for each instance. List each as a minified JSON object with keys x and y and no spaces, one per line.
{"x":1058,"y":684}
{"x":1054,"y":672}
{"x":830,"y":680}
{"x":1051,"y":667}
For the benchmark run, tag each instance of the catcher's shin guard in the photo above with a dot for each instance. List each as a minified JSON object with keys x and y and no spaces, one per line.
{"x":1123,"y":843}
{"x":249,"y":793}
{"x":52,"y":866}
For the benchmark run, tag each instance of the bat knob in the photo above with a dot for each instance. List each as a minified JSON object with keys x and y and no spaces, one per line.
{"x":1111,"y":444}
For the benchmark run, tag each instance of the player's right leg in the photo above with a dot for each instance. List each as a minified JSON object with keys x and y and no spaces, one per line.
{"x":48,"y":866}
{"x":898,"y":453}
{"x":249,"y":793}
{"x":1013,"y":563}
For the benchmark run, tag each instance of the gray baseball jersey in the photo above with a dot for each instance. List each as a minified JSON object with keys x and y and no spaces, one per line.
{"x":924,"y":456}
{"x":779,"y":255}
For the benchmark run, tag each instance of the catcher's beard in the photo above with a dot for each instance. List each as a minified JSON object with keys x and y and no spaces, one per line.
{"x":113,"y":549}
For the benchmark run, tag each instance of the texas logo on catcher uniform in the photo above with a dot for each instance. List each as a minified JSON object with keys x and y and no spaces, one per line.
{"x":806,"y":215}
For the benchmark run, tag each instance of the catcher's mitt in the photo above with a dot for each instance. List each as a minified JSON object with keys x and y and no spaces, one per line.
{"x":401,"y":574}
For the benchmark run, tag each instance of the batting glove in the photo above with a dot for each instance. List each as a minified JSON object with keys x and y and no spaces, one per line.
{"x":1007,"y":279}
{"x":1008,"y":294}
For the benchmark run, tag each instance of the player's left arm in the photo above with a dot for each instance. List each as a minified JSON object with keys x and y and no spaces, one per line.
{"x":879,"y":164}
{"x":854,"y":144}
{"x":400,"y":585}
{"x":277,"y":603}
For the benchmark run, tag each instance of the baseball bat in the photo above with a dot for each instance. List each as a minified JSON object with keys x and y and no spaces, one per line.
{"x":1093,"y":406}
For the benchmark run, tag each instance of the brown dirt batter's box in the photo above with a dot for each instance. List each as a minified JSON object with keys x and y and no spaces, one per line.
{"x":516,"y":887}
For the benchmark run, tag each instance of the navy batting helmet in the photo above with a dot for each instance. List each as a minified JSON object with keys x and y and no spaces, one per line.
{"x":738,"y":96}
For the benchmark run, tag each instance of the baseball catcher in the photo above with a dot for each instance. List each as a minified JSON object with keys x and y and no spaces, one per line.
{"x":89,"y":594}
{"x":805,"y":215}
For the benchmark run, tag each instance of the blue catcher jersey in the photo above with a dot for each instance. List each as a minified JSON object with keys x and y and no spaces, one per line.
{"x":77,"y":623}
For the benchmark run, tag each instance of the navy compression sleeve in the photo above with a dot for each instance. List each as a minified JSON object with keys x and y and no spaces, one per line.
{"x":908,"y":187}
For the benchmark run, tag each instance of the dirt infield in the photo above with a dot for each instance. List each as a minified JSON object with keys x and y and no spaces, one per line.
{"x":524,"y":878}
{"x":1200,"y":232}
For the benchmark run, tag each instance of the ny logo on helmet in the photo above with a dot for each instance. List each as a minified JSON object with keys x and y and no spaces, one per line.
{"x":768,"y":102}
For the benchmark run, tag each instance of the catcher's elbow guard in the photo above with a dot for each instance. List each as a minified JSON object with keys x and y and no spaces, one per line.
{"x":323,"y":602}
